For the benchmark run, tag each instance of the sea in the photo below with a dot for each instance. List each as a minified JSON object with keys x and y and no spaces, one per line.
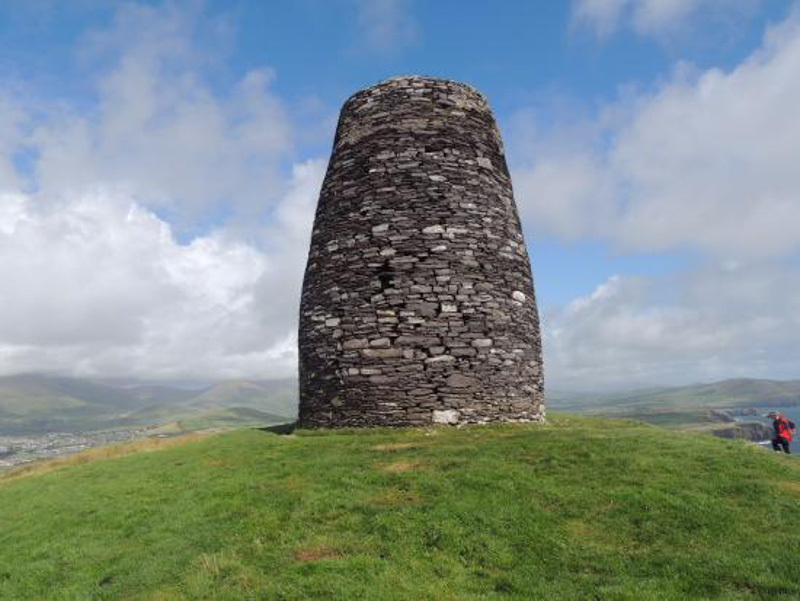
{"x":791,"y":413}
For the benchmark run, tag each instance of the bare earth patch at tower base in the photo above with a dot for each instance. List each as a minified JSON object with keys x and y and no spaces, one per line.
{"x":418,"y":303}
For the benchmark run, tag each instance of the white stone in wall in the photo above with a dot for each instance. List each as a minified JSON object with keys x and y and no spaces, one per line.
{"x":448,"y":416}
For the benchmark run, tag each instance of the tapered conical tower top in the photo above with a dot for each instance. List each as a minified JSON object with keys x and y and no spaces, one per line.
{"x":418,"y":302}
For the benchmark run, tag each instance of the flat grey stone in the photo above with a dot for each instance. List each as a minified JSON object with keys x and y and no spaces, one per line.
{"x":460,"y":381}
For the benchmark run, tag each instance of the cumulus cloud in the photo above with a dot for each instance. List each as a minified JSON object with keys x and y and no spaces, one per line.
{"x":708,"y":324}
{"x":653,"y":17}
{"x":704,"y":165}
{"x":386,"y":26}
{"x":92,"y":202}
{"x":101,"y":287}
{"x":160,"y":129}
{"x":707,"y":162}
{"x":157,"y":231}
{"x":570,"y":195}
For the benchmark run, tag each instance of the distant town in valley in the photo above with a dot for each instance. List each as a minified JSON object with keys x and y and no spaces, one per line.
{"x":44,"y":416}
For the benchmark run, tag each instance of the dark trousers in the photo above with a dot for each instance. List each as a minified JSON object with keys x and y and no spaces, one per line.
{"x":778,"y":442}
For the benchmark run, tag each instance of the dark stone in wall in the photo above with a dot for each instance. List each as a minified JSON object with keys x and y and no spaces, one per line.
{"x":418,"y":302}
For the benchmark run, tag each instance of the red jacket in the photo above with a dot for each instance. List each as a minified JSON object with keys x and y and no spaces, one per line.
{"x":783,"y":428}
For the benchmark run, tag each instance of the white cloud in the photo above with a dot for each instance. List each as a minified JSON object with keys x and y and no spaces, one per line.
{"x":571,"y":195}
{"x":720,"y":323}
{"x":386,"y":26}
{"x":708,"y":162}
{"x":98,"y":283}
{"x":161,"y":130}
{"x":653,"y":17}
{"x":97,"y":279}
{"x":101,"y":287}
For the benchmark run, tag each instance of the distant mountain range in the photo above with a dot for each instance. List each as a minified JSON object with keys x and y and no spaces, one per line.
{"x":740,"y":392}
{"x":36,"y":403}
{"x":704,"y":406}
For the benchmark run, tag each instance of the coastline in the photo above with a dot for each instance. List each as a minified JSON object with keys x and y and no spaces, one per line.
{"x":792,"y":413}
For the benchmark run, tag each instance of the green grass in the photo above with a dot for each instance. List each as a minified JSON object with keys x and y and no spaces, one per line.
{"x":227,"y":417}
{"x":579,"y":509}
{"x":680,"y":407}
{"x":675,"y":419}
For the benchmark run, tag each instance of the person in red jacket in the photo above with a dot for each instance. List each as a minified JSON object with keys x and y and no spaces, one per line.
{"x":784,"y":429}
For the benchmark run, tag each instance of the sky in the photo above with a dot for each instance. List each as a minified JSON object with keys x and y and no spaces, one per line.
{"x":160,"y":164}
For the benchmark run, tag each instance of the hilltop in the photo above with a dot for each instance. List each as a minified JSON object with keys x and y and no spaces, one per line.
{"x":575,"y":509}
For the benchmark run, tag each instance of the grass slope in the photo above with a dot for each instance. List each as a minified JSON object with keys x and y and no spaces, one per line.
{"x":578,"y":509}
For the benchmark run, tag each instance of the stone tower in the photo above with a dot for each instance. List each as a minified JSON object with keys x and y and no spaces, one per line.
{"x":418,"y":302}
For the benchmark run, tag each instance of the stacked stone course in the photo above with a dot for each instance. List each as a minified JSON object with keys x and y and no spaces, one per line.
{"x":418,"y":303}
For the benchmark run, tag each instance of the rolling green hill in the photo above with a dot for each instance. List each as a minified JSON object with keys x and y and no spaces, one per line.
{"x":37,"y":403}
{"x":742,"y":392}
{"x":576,"y":509}
{"x":31,"y":403}
{"x":684,"y":405}
{"x":34,"y":394}
{"x":227,"y":417}
{"x":280,"y":395}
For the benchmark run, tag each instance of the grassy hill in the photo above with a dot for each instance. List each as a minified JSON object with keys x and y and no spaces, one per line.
{"x":681,"y":405}
{"x":27,"y":394}
{"x":42,"y":403}
{"x":276,"y":396}
{"x":31,"y":394}
{"x":740,"y":392}
{"x":227,"y":417}
{"x":576,"y":509}
{"x":37,"y":403}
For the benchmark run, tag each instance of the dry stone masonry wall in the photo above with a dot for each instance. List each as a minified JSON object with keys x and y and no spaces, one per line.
{"x":418,"y":302}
